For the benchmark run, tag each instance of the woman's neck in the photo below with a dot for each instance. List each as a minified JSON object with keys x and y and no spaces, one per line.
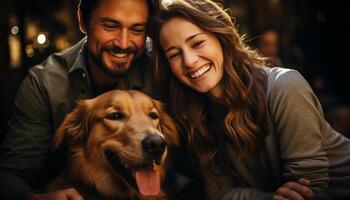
{"x":217,"y":94}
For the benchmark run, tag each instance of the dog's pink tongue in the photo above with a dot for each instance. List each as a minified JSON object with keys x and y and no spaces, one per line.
{"x":148,"y":182}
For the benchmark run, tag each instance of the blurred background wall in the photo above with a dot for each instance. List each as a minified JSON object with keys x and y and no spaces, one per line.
{"x":307,"y":35}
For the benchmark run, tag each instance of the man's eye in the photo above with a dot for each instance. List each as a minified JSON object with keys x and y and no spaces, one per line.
{"x":138,"y":31}
{"x":116,"y":116}
{"x":109,"y":27}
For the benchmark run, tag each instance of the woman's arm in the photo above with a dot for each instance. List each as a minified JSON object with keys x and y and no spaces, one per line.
{"x":226,"y":188}
{"x":299,"y":124}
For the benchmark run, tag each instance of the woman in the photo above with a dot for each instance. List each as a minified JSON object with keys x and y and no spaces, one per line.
{"x":253,"y":132}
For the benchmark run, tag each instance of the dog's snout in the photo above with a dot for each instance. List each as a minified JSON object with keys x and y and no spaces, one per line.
{"x":154,"y":145}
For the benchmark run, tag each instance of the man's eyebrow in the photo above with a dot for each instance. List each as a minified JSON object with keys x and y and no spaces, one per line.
{"x":106,"y":19}
{"x":140,"y":24}
{"x":187,"y":39}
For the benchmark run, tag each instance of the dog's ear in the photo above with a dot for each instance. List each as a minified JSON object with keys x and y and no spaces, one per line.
{"x":75,"y":126}
{"x":167,"y":124}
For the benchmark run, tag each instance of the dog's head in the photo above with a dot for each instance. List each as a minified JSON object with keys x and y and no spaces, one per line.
{"x":118,"y":142}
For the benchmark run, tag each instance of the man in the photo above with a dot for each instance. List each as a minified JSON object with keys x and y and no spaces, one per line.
{"x":113,"y":55}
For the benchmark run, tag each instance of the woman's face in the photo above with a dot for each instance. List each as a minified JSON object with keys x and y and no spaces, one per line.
{"x":195,"y":56}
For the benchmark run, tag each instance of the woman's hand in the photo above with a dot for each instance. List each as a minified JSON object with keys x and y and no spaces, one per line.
{"x":294,"y":190}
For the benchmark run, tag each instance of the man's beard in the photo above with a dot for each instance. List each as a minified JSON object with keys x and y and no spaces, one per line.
{"x":110,"y":48}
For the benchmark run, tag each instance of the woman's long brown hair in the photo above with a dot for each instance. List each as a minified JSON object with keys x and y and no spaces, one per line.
{"x":247,"y":119}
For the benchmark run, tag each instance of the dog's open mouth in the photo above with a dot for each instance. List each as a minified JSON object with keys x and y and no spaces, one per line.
{"x":146,"y":178}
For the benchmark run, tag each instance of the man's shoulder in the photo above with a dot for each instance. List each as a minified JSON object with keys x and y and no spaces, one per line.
{"x":70,"y":55}
{"x":59,"y":63}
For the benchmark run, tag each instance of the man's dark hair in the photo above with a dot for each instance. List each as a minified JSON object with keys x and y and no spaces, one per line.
{"x":86,"y":7}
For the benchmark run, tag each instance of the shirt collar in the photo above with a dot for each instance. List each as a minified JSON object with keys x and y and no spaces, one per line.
{"x":80,"y":62}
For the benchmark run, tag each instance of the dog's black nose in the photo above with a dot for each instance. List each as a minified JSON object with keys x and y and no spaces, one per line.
{"x":154,"y":145}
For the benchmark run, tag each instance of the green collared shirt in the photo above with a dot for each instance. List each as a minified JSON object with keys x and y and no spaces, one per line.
{"x":47,"y":94}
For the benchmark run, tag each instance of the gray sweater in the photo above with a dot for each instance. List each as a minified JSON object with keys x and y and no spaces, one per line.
{"x":301,"y":144}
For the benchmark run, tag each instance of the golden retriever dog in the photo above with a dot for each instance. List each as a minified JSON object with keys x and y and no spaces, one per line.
{"x":117,"y":146}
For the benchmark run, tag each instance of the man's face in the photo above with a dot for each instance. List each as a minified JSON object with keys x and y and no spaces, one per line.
{"x":116,"y":34}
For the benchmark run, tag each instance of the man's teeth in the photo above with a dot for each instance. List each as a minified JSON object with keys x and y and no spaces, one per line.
{"x":200,"y":72}
{"x":120,"y":55}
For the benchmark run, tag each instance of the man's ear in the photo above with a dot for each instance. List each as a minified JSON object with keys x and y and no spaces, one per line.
{"x":82,"y":23}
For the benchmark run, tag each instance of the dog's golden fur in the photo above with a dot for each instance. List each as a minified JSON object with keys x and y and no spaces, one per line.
{"x":116,"y":122}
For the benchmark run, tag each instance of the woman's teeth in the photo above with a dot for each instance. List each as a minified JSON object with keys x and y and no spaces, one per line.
{"x":200,"y":72}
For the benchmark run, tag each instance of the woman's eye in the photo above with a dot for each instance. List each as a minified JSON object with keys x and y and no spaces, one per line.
{"x":197,"y":44}
{"x":153,"y":115}
{"x":116,"y":116}
{"x":172,"y":56}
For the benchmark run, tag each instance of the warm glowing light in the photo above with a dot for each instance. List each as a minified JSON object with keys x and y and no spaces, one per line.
{"x":61,"y":43}
{"x":29,"y":51}
{"x":41,"y":38}
{"x":14,"y":30}
{"x":15,"y":51}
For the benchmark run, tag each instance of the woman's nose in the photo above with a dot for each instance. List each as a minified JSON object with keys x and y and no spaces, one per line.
{"x":190,"y":58}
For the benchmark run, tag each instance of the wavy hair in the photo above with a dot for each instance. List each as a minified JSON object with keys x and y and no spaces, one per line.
{"x":246,"y":120}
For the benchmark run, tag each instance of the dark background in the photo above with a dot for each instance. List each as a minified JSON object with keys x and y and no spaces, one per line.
{"x":313,"y":40}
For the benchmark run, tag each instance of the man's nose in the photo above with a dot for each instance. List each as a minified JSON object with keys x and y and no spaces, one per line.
{"x":123,"y":39}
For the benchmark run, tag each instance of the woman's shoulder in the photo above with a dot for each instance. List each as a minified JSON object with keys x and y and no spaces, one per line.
{"x":287,"y":86}
{"x":282,"y":78}
{"x":280,"y":74}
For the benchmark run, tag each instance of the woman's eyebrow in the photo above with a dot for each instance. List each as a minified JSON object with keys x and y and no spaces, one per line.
{"x":187,"y":39}
{"x":193,"y":36}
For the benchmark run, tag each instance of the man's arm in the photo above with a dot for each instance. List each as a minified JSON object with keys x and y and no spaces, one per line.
{"x":10,"y":178}
{"x":25,"y":146}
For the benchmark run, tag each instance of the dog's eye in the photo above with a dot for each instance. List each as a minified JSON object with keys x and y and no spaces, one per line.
{"x":153,"y":115}
{"x":116,"y":116}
